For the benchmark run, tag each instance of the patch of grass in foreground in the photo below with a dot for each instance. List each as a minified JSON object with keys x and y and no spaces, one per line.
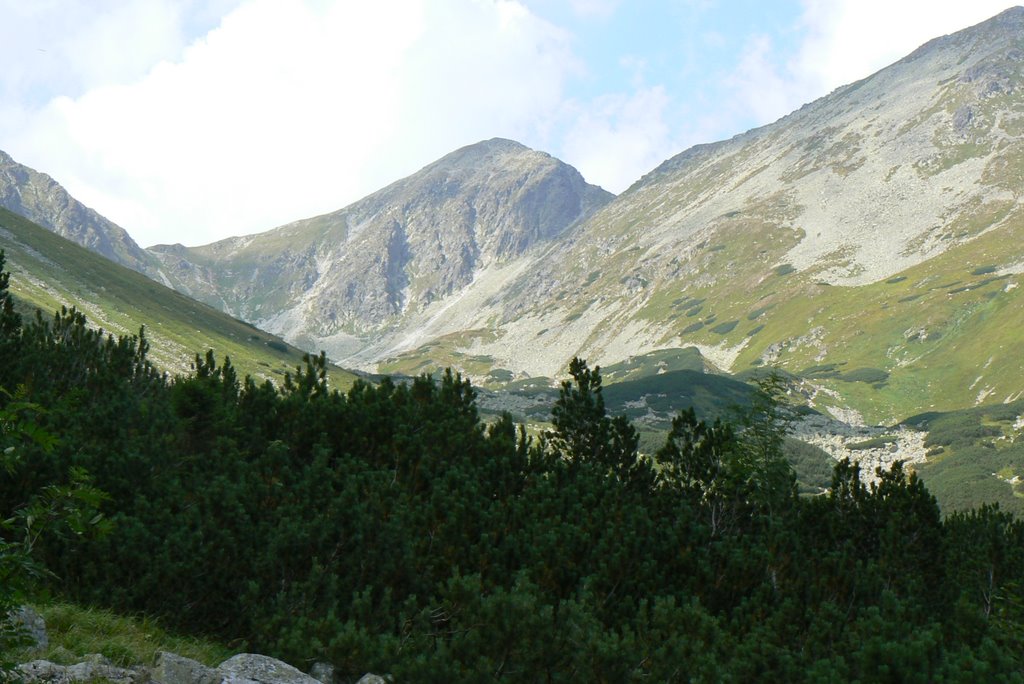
{"x":75,"y":631}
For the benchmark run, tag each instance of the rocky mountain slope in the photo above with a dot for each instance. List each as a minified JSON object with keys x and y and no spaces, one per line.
{"x":42,"y":200}
{"x":342,"y":280}
{"x":870,"y":242}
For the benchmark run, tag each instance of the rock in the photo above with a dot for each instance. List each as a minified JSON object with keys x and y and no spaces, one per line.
{"x":39,"y":198}
{"x":170,"y":668}
{"x":99,"y":669}
{"x":323,"y":673}
{"x":33,"y":624}
{"x":370,"y":678}
{"x":249,"y":667}
{"x":43,"y":671}
{"x":962,"y":119}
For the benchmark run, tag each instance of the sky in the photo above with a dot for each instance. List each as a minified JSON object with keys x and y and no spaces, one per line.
{"x":188,"y":121}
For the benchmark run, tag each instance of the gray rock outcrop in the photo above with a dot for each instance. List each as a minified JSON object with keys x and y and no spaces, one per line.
{"x":95,"y":668}
{"x":32,"y":625}
{"x":371,"y":678}
{"x":42,"y":200}
{"x":324,"y":673}
{"x":250,"y":667}
{"x":167,"y":668}
{"x":171,"y":668}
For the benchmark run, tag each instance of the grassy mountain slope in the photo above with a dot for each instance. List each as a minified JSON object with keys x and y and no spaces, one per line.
{"x":975,"y":455}
{"x":49,"y":272}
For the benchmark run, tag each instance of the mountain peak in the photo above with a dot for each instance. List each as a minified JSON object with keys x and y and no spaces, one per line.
{"x":494,"y":151}
{"x":389,"y":256}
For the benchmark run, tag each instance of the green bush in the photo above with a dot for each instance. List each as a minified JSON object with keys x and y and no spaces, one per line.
{"x":821,"y":371}
{"x":870,"y":376}
{"x":391,"y":529}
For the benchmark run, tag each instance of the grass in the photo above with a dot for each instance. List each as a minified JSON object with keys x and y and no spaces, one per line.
{"x":655,"y":400}
{"x":75,"y":631}
{"x":972,"y":454}
{"x":933,"y":344}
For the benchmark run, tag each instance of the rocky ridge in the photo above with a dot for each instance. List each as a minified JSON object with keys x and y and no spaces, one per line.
{"x":42,"y":200}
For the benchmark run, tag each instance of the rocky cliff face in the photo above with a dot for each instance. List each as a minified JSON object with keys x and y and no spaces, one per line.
{"x":391,"y":256}
{"x":39,"y":198}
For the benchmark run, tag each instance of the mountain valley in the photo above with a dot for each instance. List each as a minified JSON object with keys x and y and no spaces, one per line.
{"x":757,"y":417}
{"x":868,"y":245}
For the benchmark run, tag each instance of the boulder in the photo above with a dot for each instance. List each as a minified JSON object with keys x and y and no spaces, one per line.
{"x":370,"y":678}
{"x":42,"y":671}
{"x":98,"y":669}
{"x":33,"y":625}
{"x":249,"y":667}
{"x":171,"y":668}
{"x":323,"y":673}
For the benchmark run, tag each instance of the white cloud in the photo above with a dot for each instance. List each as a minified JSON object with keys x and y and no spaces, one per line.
{"x":762,"y":91}
{"x":69,"y":46}
{"x":595,"y":8}
{"x":288,"y":109}
{"x":617,"y":138}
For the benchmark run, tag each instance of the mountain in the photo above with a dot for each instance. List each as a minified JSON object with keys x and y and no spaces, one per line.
{"x":868,"y":245}
{"x":48,"y":271}
{"x":42,"y":200}
{"x":351,"y":280}
{"x":869,"y":242}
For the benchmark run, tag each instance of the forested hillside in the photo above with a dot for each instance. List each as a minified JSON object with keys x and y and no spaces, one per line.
{"x":390,"y":529}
